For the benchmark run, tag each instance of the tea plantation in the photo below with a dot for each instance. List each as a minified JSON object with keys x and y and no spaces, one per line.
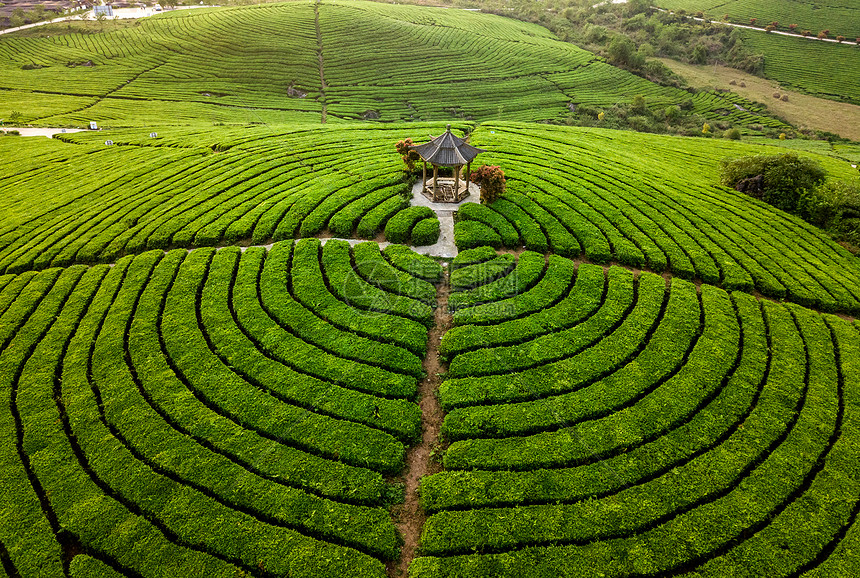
{"x":838,"y":16}
{"x":609,"y":423}
{"x":209,"y":413}
{"x":798,"y":64}
{"x":224,"y":351}
{"x":304,"y":62}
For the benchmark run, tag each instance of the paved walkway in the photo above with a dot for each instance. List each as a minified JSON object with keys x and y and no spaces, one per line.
{"x":445,"y":246}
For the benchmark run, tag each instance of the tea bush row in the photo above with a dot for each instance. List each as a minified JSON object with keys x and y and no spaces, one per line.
{"x":604,"y":200}
{"x":192,"y":402}
{"x":703,"y":440}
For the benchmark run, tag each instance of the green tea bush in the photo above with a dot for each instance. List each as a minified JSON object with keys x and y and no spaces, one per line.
{"x":399,"y":227}
{"x":425,"y":232}
{"x":469,"y":234}
{"x":420,"y":266}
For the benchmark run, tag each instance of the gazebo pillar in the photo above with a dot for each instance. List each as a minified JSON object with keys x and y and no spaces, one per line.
{"x":435,"y":178}
{"x":468,"y":176}
{"x":457,"y":182}
{"x":424,"y":179}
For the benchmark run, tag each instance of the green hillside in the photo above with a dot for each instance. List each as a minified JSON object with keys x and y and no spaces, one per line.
{"x":817,"y":68}
{"x":838,"y":16}
{"x":223,"y":353}
{"x":265,"y":63}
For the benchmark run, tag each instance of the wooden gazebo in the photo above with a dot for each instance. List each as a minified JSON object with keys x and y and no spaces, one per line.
{"x":446,"y":150}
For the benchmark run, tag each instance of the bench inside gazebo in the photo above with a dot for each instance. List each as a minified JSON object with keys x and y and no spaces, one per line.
{"x":452,"y":151}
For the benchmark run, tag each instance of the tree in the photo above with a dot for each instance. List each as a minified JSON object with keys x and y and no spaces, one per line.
{"x":38,"y":12}
{"x":700,"y":54}
{"x":782,"y":178}
{"x":673,"y":112}
{"x":621,"y":50}
{"x":17,"y":18}
{"x":732,"y":134}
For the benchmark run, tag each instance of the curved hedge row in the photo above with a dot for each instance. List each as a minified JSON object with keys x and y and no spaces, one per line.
{"x":206,"y":413}
{"x":657,"y":431}
{"x":646,"y":202}
{"x":262,"y":185}
{"x":406,"y":226}
{"x":640,"y":200}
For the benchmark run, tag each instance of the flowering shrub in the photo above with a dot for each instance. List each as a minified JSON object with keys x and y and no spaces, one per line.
{"x":491,"y":179}
{"x":408,"y":156}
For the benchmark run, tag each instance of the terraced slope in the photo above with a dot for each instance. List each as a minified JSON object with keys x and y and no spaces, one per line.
{"x":300,"y":62}
{"x":838,"y":16}
{"x":817,"y":68}
{"x":193,"y":188}
{"x":213,"y":413}
{"x":642,"y":200}
{"x":604,"y":422}
{"x":651,"y":202}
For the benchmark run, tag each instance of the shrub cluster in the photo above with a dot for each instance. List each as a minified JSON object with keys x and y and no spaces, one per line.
{"x":491,"y":179}
{"x":799,"y":186}
{"x":401,"y":227}
{"x":778,"y":180}
{"x":407,"y":155}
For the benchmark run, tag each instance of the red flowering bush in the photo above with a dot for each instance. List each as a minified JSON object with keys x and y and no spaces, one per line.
{"x":407,"y":156}
{"x":491,"y":179}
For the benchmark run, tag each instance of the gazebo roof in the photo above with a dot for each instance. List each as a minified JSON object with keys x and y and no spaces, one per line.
{"x":447,"y":150}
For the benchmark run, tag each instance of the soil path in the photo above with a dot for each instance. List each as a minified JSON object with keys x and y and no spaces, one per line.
{"x":409,"y":517}
{"x":320,"y":58}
